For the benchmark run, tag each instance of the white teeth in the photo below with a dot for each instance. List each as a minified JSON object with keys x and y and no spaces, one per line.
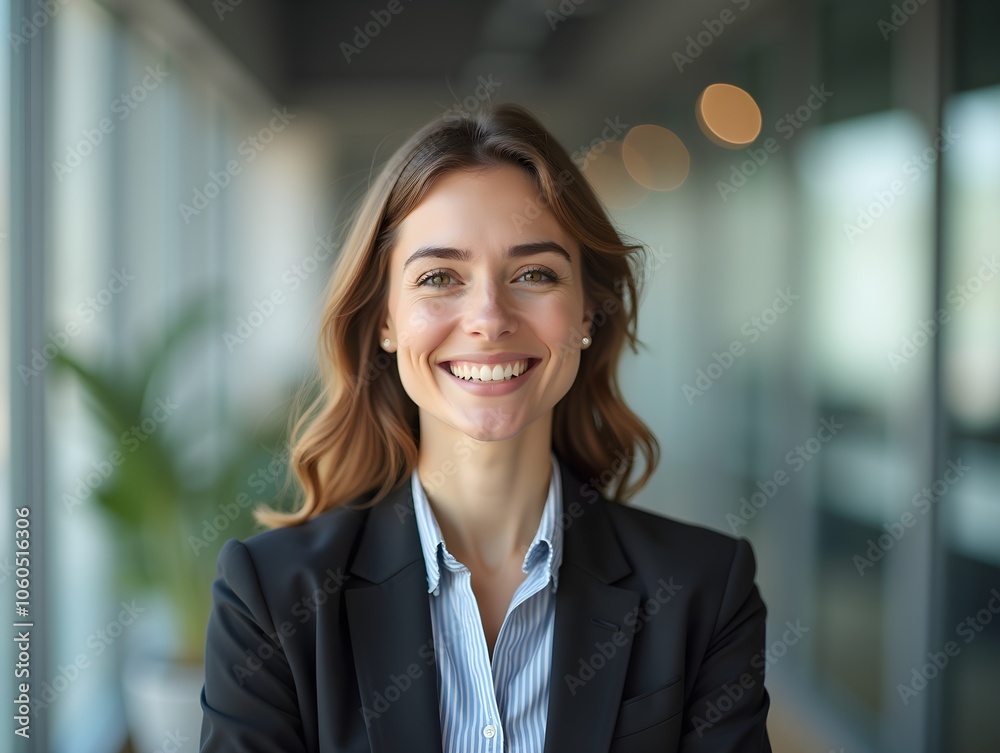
{"x":485,"y":373}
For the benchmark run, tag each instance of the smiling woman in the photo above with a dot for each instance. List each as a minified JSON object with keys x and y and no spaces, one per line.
{"x":466,"y":489}
{"x":510,"y":306}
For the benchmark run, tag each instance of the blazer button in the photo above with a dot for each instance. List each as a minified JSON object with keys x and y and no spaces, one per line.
{"x":489,"y":730}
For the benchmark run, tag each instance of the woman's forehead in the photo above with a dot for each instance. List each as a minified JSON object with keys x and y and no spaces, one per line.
{"x":499,"y":206}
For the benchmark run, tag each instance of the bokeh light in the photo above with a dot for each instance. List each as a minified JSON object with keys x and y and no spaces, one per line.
{"x":655,"y":157}
{"x":728,"y":116}
{"x":605,"y":170}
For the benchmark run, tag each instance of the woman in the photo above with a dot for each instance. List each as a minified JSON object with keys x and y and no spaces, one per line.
{"x":462,"y":576}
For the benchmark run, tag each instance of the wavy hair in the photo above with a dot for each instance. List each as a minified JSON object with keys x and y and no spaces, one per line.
{"x":358,"y":436}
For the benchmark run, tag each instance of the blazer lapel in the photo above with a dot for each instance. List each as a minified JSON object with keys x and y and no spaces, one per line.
{"x":391,"y":632}
{"x":393,"y":641}
{"x":590,"y":646}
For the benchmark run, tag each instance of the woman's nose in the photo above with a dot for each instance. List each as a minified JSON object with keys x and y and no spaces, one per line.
{"x":489,"y":310}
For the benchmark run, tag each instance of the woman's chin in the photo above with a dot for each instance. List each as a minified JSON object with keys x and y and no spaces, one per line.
{"x":490,"y":433}
{"x":491,"y":425}
{"x":482,"y":423}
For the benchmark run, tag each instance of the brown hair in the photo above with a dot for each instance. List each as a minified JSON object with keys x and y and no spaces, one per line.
{"x":359,"y":435}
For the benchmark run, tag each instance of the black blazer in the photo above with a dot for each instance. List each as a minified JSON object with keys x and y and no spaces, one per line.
{"x":320,"y":637}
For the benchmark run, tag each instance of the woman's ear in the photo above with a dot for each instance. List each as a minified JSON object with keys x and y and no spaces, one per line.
{"x":387,"y":332}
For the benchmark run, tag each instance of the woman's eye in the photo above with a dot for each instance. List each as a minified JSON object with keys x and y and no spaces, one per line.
{"x":430,"y":276}
{"x":539,"y":276}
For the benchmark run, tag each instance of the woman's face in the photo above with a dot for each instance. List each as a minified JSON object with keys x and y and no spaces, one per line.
{"x":475,"y":282}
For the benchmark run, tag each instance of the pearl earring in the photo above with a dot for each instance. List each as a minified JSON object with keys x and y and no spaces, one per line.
{"x":586,"y":341}
{"x":386,"y":341}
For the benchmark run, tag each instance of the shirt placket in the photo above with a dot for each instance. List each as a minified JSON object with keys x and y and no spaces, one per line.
{"x":502,"y":655}
{"x":489,"y":727}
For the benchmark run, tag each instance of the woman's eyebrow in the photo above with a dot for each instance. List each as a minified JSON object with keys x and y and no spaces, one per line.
{"x":461,"y":254}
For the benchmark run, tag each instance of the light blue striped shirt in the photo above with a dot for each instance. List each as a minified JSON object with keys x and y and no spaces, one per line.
{"x":501,"y":708}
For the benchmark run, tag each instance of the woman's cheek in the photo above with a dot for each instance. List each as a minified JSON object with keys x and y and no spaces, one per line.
{"x":554,"y":325}
{"x":425,"y":315}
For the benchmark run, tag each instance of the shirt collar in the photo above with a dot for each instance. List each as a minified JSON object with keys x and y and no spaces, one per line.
{"x":547,"y":542}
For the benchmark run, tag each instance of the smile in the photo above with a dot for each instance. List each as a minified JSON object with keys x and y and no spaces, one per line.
{"x":499,"y":372}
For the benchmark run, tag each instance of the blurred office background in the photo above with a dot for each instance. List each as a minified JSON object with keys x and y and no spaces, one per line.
{"x":821,"y":322}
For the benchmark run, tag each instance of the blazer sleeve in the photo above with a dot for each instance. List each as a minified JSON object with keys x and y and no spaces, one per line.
{"x":728,"y":704}
{"x":248,"y":699}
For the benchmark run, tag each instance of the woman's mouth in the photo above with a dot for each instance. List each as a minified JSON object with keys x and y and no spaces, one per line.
{"x":488,"y":373}
{"x":490,"y":379}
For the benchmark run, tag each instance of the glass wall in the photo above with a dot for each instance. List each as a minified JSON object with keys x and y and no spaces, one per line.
{"x":826,"y":337}
{"x":968,"y":500}
{"x":172,"y":197}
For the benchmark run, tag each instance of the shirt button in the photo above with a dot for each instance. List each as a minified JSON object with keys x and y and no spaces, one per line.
{"x":489,"y":730}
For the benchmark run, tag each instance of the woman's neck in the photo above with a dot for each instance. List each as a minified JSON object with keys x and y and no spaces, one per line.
{"x":487,"y":497}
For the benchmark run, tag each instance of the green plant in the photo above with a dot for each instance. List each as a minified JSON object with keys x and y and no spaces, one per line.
{"x":172,"y":508}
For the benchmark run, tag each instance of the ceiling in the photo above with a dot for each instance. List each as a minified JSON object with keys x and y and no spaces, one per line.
{"x":371,"y":70}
